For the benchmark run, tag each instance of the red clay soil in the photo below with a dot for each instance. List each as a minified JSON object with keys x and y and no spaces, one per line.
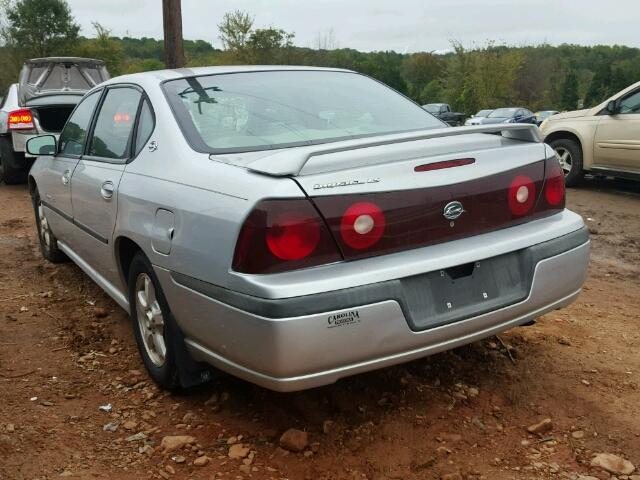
{"x":66,"y":349}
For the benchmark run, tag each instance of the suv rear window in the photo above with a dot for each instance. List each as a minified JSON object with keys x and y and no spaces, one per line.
{"x":275,"y":109}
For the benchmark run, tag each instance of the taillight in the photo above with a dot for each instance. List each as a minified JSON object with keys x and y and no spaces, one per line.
{"x":362,"y":225}
{"x":554,"y":192}
{"x":521,"y":195}
{"x":21,"y":120}
{"x":293,"y":235}
{"x":281,"y":235}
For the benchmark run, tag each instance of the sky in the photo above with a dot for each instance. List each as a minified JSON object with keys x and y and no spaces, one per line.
{"x":401,"y":25}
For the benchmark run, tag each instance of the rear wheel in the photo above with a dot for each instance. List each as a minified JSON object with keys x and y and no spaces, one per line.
{"x":12,"y":170}
{"x":48,"y":241}
{"x":152,"y":323}
{"x":570,"y":157}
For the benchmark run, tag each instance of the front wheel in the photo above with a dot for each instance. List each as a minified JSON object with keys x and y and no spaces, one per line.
{"x":152,"y":323}
{"x":570,"y":158}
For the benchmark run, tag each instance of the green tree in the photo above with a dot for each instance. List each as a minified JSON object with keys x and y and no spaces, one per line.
{"x":267,"y":45}
{"x":600,"y":86}
{"x":103,"y":47}
{"x":432,"y":92}
{"x":459,"y":89}
{"x":569,"y":92}
{"x":41,"y":27}
{"x":235,"y":31}
{"x":136,"y":65}
{"x":418,"y":70}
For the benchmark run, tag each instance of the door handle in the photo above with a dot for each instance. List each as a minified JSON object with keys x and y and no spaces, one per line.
{"x":66,"y":176}
{"x":106,"y":190}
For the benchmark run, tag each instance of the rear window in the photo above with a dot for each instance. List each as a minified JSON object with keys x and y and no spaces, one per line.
{"x":503,"y":113}
{"x":266,"y":110}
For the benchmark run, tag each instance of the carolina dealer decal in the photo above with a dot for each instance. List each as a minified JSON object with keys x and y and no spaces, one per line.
{"x":345,"y":318}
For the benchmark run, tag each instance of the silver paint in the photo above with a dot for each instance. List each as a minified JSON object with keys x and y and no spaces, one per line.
{"x":205,"y":199}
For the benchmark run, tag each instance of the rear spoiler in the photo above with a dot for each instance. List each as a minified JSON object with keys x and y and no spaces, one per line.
{"x":291,"y":161}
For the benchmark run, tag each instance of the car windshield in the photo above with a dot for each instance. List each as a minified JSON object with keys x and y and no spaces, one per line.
{"x":432,"y":108}
{"x":483,"y":113}
{"x":503,"y":113}
{"x":274,"y":109}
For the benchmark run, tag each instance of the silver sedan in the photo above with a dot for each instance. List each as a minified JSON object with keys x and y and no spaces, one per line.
{"x":293,"y":226}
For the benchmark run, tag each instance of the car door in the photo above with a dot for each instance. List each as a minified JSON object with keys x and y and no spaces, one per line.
{"x":617,"y":138}
{"x":95,"y":181}
{"x":55,"y":171}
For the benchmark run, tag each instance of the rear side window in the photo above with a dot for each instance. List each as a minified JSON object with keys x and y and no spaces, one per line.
{"x":74,"y":135}
{"x":145,"y":126}
{"x":114,"y":125}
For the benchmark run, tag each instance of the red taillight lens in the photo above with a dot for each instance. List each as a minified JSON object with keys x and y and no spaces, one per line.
{"x":522,"y":195}
{"x":362,"y":225}
{"x":293,"y":235}
{"x":554,"y":191}
{"x":21,"y":120}
{"x":281,"y":235}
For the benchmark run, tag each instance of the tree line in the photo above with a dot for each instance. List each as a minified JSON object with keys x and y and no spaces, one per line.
{"x":563,"y":77}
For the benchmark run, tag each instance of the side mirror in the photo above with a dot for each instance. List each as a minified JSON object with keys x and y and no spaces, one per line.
{"x":613,"y":107}
{"x":42,"y":145}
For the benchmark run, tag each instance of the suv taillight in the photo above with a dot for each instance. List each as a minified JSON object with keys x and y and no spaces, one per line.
{"x":21,"y":120}
{"x":281,"y":235}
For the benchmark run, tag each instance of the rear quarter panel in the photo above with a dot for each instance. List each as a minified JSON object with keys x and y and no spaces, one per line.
{"x":209,"y":200}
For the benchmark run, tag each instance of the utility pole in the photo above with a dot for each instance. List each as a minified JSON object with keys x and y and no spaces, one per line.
{"x":172,"y":21}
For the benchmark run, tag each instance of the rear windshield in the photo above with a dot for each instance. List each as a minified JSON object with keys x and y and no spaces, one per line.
{"x":266,"y":110}
{"x":503,"y":113}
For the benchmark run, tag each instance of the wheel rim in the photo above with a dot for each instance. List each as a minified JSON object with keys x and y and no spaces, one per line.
{"x":150,"y":320}
{"x":565,"y":159}
{"x":45,"y":230}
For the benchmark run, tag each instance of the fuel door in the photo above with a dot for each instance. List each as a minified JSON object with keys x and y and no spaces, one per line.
{"x":163,"y":229}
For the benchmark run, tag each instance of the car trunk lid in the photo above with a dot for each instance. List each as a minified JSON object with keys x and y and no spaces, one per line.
{"x":381,"y":196}
{"x":59,"y":76}
{"x":404,"y":195}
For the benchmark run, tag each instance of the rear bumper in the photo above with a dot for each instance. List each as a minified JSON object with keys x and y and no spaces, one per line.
{"x":19,"y":140}
{"x":255,"y":340}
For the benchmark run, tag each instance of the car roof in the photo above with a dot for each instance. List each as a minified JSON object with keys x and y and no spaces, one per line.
{"x":158,"y":76}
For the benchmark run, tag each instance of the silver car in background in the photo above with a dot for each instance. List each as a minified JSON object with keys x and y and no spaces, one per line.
{"x":293,"y":226}
{"x":47,"y":91}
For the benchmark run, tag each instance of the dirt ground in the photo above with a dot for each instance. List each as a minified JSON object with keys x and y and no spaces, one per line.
{"x":66,"y":349}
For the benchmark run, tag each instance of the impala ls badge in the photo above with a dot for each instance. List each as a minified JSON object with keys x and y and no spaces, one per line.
{"x":453,"y":210}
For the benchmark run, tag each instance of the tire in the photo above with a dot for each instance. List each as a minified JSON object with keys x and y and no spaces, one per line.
{"x":10,"y":171}
{"x":48,"y":241}
{"x":570,"y":154}
{"x":153,"y":324}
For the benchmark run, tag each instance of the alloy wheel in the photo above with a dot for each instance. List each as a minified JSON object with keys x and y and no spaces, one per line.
{"x":150,"y":320}
{"x":565,"y":159}
{"x":45,"y":230}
